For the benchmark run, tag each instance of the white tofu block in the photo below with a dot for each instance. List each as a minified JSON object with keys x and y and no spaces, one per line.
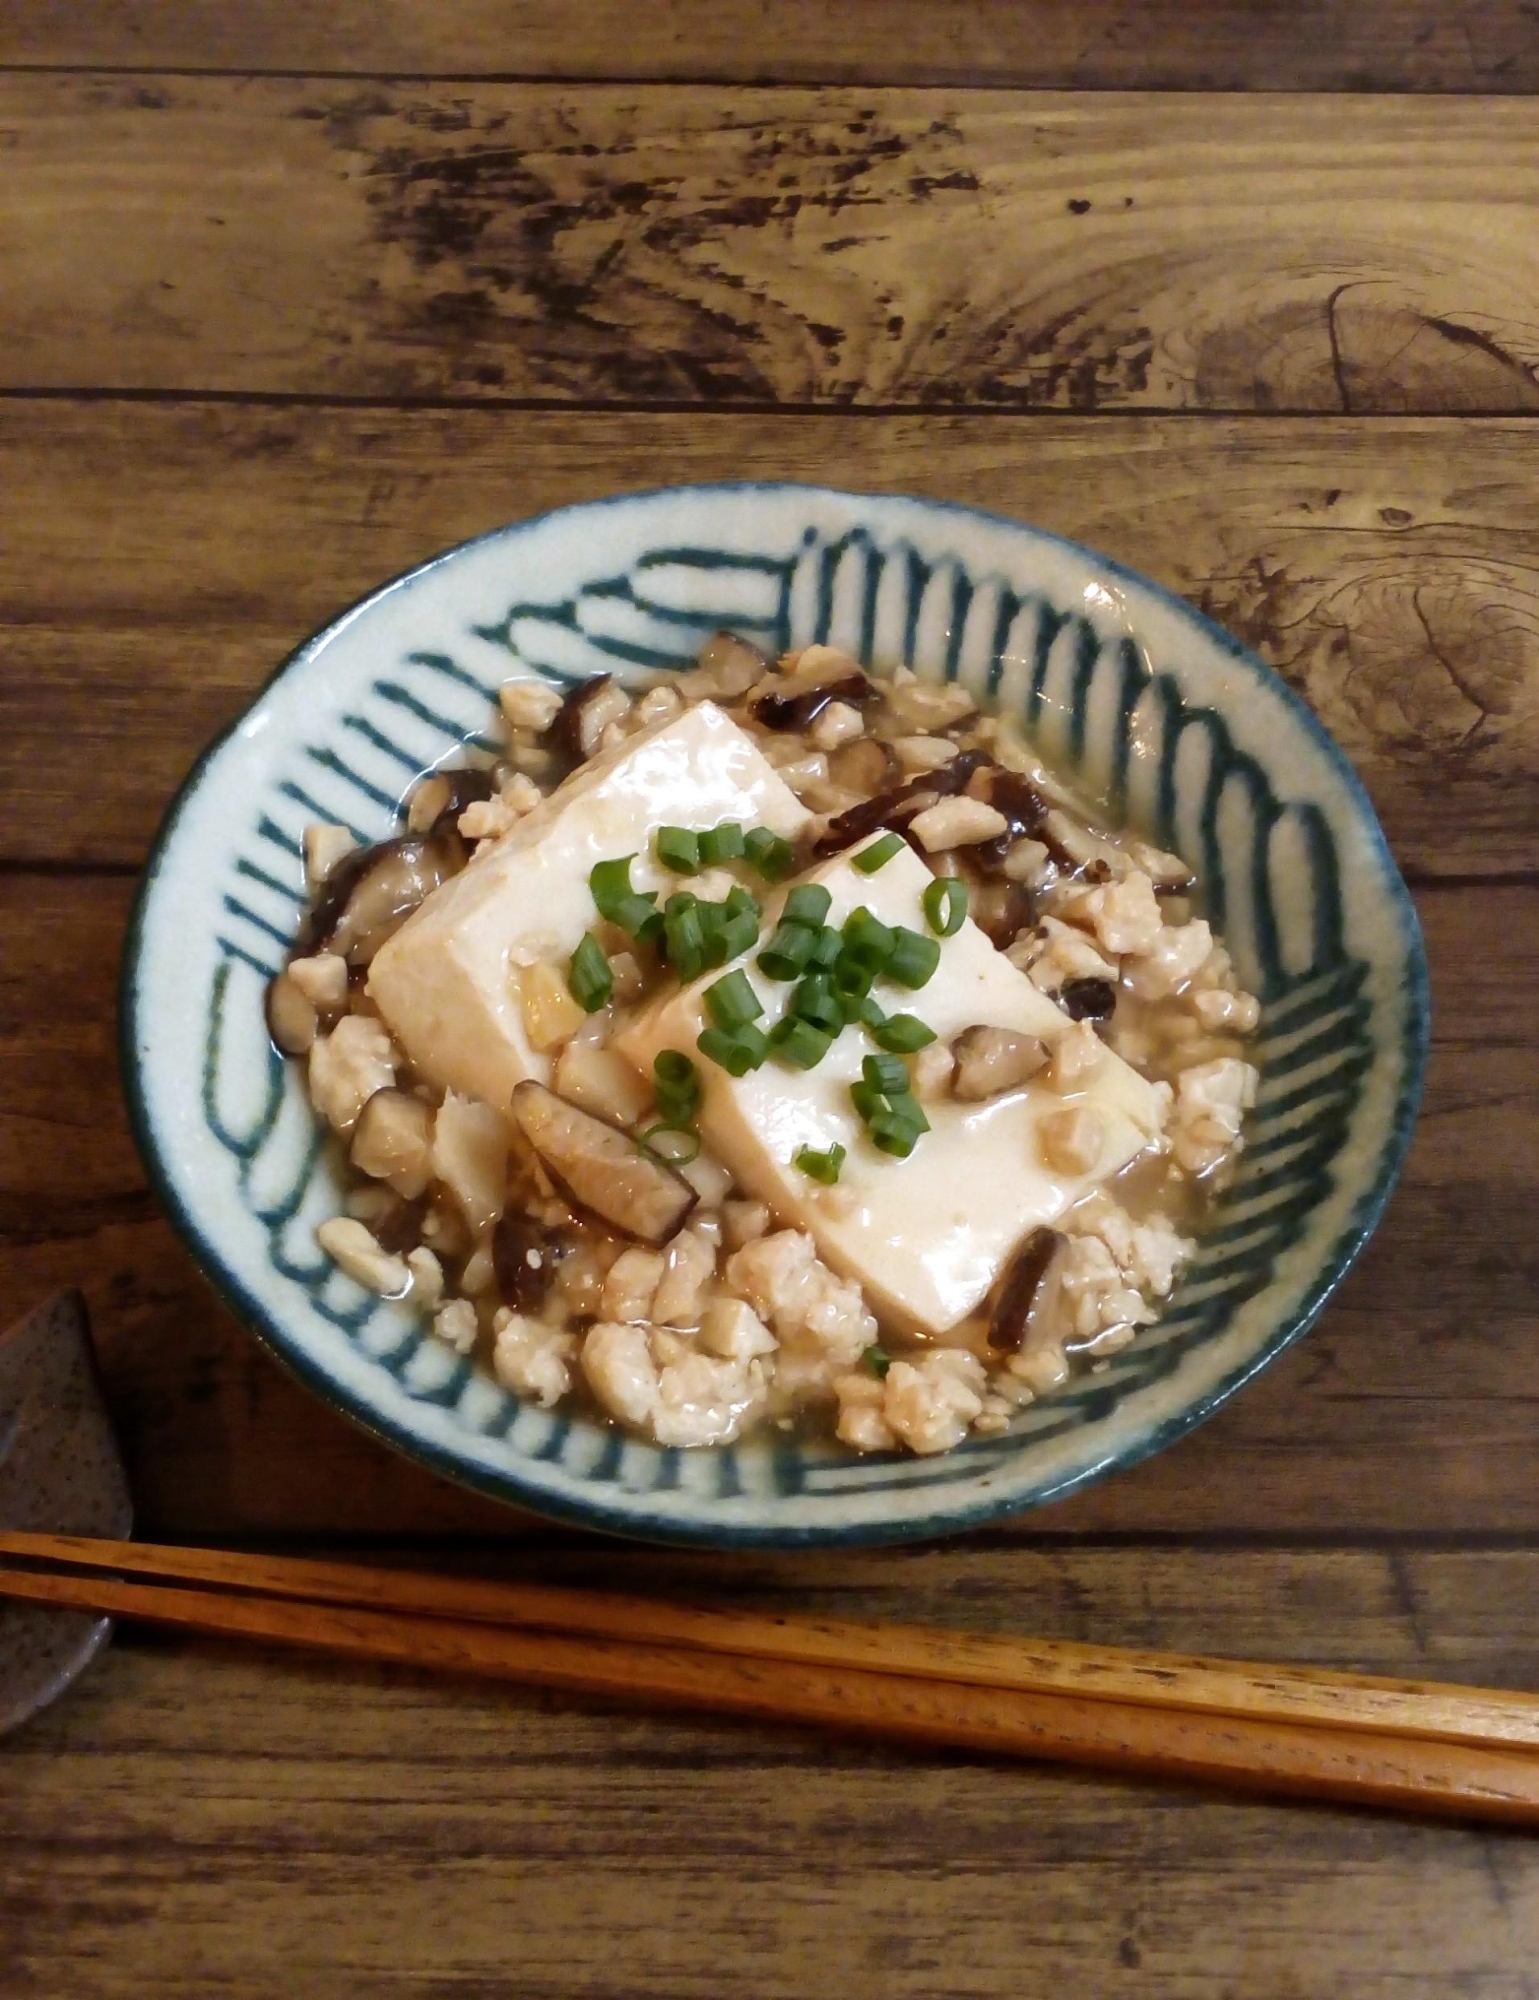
{"x":447,"y":982}
{"x":925,"y":1237}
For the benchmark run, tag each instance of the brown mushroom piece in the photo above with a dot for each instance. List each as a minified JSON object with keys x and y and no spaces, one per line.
{"x":397,"y":1224}
{"x":897,"y":809}
{"x":465,"y":787}
{"x":1002,"y":910}
{"x":799,"y":708}
{"x":372,"y":891}
{"x":1018,"y":799}
{"x":732,"y":665}
{"x":1010,"y":1321}
{"x":525,"y":1255}
{"x":602,"y":1168}
{"x":993,"y":1060}
{"x":585,"y":714}
{"x":864,"y":766}
{"x":1088,"y":999}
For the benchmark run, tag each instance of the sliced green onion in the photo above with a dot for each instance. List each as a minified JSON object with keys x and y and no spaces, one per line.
{"x":672,"y":1145}
{"x":676,"y":1084}
{"x":787,"y":951}
{"x":826,"y":947}
{"x":815,"y":1000}
{"x":945,"y":905}
{"x":713,"y":928}
{"x":739,"y":935}
{"x":721,"y":843}
{"x":867,"y":940}
{"x":636,"y":915}
{"x":610,"y":882}
{"x":736,"y":1050}
{"x":799,"y":1043}
{"x":893,"y":1134}
{"x":878,"y":854}
{"x":852,"y":980}
{"x":822,"y":1167}
{"x":886,"y":1074}
{"x":678,"y":848}
{"x":588,"y":977}
{"x":865,"y":1010}
{"x":901,"y":1034}
{"x":684,"y":935}
{"x":732,"y":1001}
{"x":878,"y":1360}
{"x":741,"y":904}
{"x":773,"y":857}
{"x":913,"y":961}
{"x":808,"y":903}
{"x":869,"y":1102}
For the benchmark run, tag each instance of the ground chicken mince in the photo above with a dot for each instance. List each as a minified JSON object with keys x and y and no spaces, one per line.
{"x":776,"y":1044}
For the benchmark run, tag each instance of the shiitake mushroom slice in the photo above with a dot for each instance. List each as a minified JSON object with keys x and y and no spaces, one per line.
{"x":1009,"y":1323}
{"x":602,"y":1168}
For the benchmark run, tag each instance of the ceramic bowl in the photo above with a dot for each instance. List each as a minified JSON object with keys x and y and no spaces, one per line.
{"x":1154,"y":710}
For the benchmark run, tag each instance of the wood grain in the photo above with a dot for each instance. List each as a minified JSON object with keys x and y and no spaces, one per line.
{"x":1484,"y":45}
{"x":156,"y":562}
{"x":1411,"y":1408}
{"x":831,"y":247}
{"x":262,"y":1822}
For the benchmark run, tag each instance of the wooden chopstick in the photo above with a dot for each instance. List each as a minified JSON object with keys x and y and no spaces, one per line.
{"x":1423,"y":1775}
{"x":1396,"y":1708}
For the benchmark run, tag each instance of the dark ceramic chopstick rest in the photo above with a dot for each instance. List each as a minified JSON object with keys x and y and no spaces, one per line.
{"x":60,"y":1473}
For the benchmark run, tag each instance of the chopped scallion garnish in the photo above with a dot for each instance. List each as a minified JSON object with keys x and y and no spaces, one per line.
{"x":867,"y":941}
{"x":945,"y":905}
{"x":901,"y":1034}
{"x":808,"y":903}
{"x":676,"y":1085}
{"x":878,"y":854}
{"x":822,"y":1167}
{"x":773,"y":857}
{"x":589,"y":979}
{"x":787,"y":951}
{"x":678,"y":848}
{"x":815,"y":1000}
{"x":732,"y":1001}
{"x":913,"y":960}
{"x":684,"y":934}
{"x":886,"y":1074}
{"x":736,"y":1050}
{"x":721,"y":843}
{"x":799,"y":1043}
{"x":826,"y":947}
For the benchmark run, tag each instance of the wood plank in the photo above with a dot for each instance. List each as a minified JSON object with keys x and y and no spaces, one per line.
{"x":239,"y":1802}
{"x":604,"y":243}
{"x":1486,"y":45}
{"x":1410,"y":1409}
{"x":157,"y":561}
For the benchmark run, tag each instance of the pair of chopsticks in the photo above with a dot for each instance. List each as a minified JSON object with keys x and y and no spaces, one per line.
{"x":1467,"y":1752}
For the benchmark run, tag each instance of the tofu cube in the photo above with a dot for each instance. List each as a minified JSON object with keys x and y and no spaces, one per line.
{"x":447,"y":983}
{"x":925,"y":1237}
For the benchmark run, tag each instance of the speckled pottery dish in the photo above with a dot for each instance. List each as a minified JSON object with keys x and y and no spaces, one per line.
{"x":60,"y":1474}
{"x":1153,"y":711}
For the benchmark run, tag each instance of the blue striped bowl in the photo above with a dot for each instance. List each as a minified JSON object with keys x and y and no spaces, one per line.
{"x":1154,"y":710}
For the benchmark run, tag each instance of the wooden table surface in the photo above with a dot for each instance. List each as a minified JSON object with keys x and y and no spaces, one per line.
{"x":292,"y":296}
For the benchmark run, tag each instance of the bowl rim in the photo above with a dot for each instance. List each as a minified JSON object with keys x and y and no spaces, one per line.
{"x":506,"y":1485}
